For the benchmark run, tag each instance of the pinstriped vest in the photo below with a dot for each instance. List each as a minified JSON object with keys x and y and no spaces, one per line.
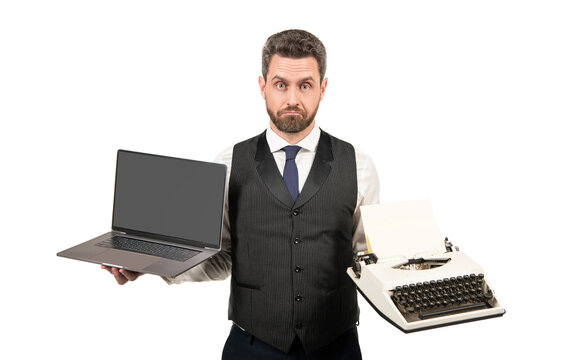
{"x":290,"y":259}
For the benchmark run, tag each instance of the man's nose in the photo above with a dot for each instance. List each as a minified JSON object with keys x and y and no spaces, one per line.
{"x":292,"y":98}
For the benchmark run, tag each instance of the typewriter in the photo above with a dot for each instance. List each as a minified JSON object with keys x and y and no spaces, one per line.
{"x":415,"y":279}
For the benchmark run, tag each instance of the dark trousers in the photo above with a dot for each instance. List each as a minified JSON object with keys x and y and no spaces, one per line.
{"x":241,"y":345}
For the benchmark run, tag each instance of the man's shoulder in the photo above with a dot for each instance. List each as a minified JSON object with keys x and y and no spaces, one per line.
{"x":336,"y":142}
{"x":251,"y":140}
{"x":362,"y":158}
{"x":334,"y":138}
{"x":226,"y":155}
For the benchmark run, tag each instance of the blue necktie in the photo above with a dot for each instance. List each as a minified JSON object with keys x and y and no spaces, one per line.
{"x":291,"y":171}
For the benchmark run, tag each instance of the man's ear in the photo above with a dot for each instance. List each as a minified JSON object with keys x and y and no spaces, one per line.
{"x":323,"y":87}
{"x":262,"y":83}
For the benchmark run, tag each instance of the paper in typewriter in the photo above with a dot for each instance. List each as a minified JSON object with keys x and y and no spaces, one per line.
{"x":402,"y":229}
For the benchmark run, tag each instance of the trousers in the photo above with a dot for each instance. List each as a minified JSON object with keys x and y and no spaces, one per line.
{"x":241,"y":345}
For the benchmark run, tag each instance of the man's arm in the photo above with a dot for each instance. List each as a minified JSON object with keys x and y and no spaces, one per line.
{"x":219,"y":266}
{"x":368,"y":194}
{"x":216,"y":268}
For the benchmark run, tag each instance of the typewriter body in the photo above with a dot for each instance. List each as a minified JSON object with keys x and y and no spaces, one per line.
{"x":419,"y":283}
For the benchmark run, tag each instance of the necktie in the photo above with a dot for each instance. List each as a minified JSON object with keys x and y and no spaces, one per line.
{"x":291,"y":171}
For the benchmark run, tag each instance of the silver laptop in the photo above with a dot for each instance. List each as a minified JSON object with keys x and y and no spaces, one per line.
{"x":167,"y":216}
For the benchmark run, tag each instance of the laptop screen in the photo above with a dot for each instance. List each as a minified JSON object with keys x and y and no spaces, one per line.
{"x":174,"y":198}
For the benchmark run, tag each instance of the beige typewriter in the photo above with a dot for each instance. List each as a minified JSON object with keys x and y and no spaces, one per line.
{"x":413,"y":277}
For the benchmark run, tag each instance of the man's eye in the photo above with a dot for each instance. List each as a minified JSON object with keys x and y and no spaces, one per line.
{"x":280,"y":86}
{"x":305,"y":87}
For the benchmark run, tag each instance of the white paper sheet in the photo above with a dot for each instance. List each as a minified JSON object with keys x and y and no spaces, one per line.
{"x":402,"y":229}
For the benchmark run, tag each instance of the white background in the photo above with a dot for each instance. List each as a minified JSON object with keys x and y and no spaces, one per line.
{"x":475,"y":105}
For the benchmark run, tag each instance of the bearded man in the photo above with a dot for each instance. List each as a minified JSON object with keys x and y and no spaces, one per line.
{"x":292,"y":220}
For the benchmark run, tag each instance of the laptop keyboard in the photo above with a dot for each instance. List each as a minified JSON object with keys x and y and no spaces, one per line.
{"x":149,"y":248}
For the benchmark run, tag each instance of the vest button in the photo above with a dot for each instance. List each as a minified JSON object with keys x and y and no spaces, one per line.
{"x":298,"y":269}
{"x":297,"y":241}
{"x":299,"y":298}
{"x":295,"y":212}
{"x":298,"y":325}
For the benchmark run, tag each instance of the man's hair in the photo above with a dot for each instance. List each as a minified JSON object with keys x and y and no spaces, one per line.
{"x":294,"y":44}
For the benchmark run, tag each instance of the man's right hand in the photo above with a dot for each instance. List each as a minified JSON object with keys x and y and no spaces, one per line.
{"x":122,"y":276}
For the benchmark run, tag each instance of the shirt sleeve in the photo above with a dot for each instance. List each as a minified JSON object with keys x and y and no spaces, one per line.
{"x":367,"y":194}
{"x":219,"y":266}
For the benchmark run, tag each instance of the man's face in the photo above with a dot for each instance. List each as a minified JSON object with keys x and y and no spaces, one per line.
{"x":292,"y":90}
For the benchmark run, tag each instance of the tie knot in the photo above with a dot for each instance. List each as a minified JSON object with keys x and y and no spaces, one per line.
{"x":291,"y":151}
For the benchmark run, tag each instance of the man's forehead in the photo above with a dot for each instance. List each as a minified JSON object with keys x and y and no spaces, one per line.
{"x":284,"y":66}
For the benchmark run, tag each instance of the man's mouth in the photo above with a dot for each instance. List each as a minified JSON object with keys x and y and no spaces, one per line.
{"x":291,"y":112}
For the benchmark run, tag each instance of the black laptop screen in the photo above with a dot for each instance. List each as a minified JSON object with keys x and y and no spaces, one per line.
{"x":175,"y":198}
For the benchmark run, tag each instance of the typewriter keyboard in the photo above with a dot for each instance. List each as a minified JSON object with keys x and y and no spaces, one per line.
{"x":443,"y":297}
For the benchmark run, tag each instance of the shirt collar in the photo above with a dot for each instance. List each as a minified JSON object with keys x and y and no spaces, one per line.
{"x":309,"y":143}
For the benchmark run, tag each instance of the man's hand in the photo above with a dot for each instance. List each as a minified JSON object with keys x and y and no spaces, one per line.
{"x":122,"y":276}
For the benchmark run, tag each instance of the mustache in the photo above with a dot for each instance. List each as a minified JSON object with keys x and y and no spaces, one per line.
{"x":292,"y":108}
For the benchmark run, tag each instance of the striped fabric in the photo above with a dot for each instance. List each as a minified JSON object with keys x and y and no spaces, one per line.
{"x":290,"y":258}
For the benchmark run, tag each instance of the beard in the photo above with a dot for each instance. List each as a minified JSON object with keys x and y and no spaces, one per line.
{"x":291,"y":123}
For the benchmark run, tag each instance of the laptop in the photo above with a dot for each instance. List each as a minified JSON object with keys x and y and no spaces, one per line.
{"x":167,"y":215}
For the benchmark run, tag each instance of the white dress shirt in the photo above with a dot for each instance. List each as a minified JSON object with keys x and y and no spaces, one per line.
{"x":219,"y":267}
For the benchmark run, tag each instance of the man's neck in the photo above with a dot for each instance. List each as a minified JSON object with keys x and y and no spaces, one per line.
{"x":292,"y":138}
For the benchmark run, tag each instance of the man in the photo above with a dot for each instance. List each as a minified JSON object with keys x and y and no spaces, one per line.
{"x":293,"y":220}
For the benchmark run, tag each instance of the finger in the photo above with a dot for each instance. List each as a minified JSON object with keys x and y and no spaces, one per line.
{"x":109,"y":269}
{"x":130,"y":275}
{"x":120,"y":278}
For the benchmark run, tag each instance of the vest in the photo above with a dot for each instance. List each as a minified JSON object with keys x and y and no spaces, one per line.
{"x":290,"y":259}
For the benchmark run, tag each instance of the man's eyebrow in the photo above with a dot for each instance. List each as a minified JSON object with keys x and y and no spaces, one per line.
{"x":308,"y":78}
{"x":277,"y":77}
